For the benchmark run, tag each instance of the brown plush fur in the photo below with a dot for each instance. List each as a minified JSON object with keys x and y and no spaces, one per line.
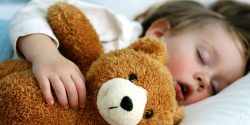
{"x":21,"y":100}
{"x":68,"y":24}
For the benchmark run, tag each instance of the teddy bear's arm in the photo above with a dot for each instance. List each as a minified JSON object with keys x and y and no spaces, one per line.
{"x":79,"y":41}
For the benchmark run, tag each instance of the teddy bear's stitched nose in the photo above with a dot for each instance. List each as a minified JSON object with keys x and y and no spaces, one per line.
{"x":126,"y":103}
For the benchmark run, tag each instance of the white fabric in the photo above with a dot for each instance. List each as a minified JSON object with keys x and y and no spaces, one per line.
{"x":115,"y":31}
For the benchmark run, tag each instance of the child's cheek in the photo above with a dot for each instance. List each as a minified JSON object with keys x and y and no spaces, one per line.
{"x":181,"y":65}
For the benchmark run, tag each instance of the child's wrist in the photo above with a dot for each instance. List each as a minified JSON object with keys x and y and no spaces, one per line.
{"x":37,"y":46}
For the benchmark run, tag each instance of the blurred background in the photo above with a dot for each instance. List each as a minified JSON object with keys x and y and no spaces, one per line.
{"x":9,"y":7}
{"x":129,"y":8}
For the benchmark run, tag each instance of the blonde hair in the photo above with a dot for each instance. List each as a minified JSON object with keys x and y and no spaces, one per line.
{"x":186,"y":14}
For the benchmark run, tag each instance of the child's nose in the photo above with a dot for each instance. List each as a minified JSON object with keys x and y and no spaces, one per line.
{"x":203,"y":80}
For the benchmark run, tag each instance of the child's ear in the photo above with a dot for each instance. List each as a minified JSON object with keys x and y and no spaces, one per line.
{"x":159,"y":28}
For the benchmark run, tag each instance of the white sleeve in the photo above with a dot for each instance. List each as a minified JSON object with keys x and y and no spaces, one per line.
{"x":31,"y":19}
{"x":115,"y":31}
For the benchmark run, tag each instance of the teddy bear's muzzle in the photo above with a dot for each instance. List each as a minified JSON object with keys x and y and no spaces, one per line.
{"x":121,"y":102}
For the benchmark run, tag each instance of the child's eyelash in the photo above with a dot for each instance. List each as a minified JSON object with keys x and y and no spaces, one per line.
{"x":200,"y":57}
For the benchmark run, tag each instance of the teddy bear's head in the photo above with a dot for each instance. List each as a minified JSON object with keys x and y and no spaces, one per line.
{"x":133,"y":85}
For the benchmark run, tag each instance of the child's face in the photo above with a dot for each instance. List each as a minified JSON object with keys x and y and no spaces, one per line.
{"x":202,"y":61}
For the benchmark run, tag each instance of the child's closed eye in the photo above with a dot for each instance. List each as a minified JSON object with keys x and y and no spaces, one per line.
{"x":204,"y":57}
{"x":199,"y":56}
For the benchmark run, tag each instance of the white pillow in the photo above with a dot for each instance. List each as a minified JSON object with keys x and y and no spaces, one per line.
{"x":230,"y":107}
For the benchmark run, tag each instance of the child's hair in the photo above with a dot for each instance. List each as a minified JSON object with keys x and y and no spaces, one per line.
{"x":234,"y":17}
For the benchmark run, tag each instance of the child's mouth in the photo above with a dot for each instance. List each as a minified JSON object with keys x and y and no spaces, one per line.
{"x":182,"y":91}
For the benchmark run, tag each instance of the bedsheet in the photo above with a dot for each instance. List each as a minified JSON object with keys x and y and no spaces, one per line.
{"x":8,"y":8}
{"x":5,"y":46}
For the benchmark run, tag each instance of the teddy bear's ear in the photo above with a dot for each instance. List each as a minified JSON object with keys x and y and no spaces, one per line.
{"x":152,"y":46}
{"x":79,"y":41}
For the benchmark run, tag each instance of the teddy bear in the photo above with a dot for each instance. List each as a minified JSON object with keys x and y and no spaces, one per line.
{"x":124,"y":87}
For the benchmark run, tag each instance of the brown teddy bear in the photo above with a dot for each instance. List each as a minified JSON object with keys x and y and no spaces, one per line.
{"x":124,"y":87}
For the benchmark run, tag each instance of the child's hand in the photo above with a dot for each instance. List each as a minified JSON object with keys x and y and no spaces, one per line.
{"x":57,"y":72}
{"x":53,"y":71}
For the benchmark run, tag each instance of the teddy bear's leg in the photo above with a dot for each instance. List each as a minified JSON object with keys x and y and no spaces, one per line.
{"x":11,"y":66}
{"x":22,"y":102}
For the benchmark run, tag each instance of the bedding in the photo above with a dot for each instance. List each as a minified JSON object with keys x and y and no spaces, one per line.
{"x":5,"y":46}
{"x":230,"y":107}
{"x":7,"y":9}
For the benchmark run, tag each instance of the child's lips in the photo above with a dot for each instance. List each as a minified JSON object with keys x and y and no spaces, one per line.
{"x":179,"y":94}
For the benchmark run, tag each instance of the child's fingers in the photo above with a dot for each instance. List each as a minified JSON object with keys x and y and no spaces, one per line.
{"x":59,"y":91}
{"x":46,"y":90}
{"x":71,"y":91}
{"x":81,"y":90}
{"x":80,"y":74}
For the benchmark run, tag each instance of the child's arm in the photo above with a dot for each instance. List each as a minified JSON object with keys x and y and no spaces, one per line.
{"x":50,"y":68}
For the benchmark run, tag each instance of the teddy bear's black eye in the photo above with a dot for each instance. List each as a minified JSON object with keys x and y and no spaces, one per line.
{"x":132,"y":77}
{"x":148,"y":114}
